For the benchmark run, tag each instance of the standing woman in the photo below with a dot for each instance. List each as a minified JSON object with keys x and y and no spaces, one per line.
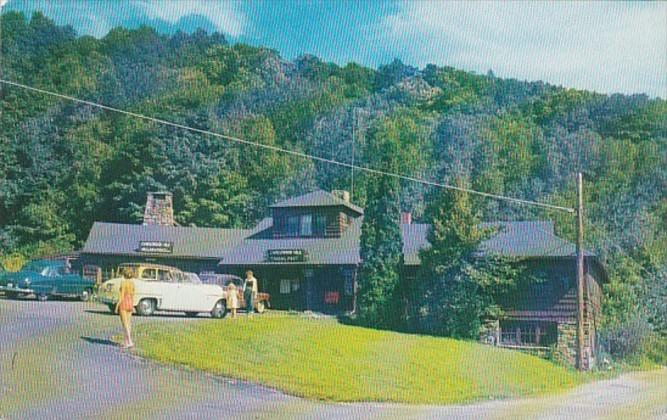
{"x":125,"y":305}
{"x":250,"y":292}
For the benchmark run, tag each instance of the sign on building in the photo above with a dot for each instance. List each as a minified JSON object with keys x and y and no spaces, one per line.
{"x":286,"y":255}
{"x":156,"y":247}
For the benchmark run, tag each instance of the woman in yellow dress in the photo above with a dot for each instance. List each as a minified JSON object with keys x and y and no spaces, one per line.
{"x":125,"y":305}
{"x":232,"y":298}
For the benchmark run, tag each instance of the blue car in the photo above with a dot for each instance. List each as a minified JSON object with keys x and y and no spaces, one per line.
{"x":46,"y":279}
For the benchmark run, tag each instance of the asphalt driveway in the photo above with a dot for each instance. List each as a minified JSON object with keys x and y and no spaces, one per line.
{"x":57,"y":361}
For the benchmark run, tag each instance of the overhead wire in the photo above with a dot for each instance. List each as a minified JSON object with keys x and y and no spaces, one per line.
{"x":292,"y":152}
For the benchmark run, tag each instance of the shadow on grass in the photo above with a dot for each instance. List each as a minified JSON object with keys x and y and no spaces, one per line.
{"x":102,"y":341}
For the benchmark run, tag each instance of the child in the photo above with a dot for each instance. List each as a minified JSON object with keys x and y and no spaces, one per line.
{"x":232,"y":299}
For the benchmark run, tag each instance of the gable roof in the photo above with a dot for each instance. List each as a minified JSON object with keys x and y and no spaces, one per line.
{"x":527,"y":239}
{"x":188,"y":242}
{"x":317,"y":198}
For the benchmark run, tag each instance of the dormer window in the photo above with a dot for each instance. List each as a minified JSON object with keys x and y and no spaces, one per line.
{"x":293,"y":223}
{"x":307,"y":225}
{"x":320,"y":224}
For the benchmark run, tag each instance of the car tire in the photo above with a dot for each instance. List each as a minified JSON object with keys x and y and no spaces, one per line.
{"x":146,"y":307}
{"x":42,"y":297}
{"x":191,"y":314}
{"x":219,"y":311}
{"x":261,"y":308}
{"x":86,"y":295}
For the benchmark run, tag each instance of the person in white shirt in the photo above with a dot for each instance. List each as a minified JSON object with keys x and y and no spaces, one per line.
{"x":250,"y":289}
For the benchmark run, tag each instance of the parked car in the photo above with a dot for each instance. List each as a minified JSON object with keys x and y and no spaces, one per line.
{"x":224,"y":280}
{"x":45,"y":279}
{"x":164,"y":288}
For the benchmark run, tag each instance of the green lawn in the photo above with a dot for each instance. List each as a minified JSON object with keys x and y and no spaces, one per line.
{"x":325,"y":360}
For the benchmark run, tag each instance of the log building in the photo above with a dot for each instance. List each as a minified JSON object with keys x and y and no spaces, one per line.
{"x":306,"y":255}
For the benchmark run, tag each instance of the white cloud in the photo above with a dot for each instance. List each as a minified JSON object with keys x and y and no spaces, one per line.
{"x":607,"y":47}
{"x":225,"y":16}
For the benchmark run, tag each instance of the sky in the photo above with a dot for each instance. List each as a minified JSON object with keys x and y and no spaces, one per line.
{"x":606,"y":47}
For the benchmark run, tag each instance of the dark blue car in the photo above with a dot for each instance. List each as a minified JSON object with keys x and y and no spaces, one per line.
{"x":45,"y":279}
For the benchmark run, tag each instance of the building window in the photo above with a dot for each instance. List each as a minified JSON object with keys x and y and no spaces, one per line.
{"x":293,"y":226}
{"x":307,"y":225}
{"x":527,"y":333}
{"x":348,"y":285}
{"x":320,"y":224}
{"x":285,"y":286}
{"x":289,"y":286}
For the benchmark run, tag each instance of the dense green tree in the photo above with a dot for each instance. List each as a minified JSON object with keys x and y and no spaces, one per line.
{"x":457,"y":288}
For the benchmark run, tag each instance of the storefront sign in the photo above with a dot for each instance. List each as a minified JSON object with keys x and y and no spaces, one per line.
{"x":156,"y":247}
{"x":286,"y":255}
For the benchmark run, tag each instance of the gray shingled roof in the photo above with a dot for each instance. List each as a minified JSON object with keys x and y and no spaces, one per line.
{"x":189,"y":242}
{"x":317,"y":198}
{"x":527,"y":239}
{"x":249,"y":247}
{"x":512,"y":239}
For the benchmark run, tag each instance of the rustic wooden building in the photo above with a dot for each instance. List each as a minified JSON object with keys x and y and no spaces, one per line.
{"x":541,"y":316}
{"x":306,"y":255}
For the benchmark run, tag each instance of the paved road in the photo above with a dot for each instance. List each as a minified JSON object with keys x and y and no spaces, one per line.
{"x":56,"y":361}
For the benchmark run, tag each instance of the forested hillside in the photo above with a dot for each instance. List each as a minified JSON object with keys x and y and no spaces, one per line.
{"x":65,"y":165}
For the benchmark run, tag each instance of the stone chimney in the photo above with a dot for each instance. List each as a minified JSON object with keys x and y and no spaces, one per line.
{"x":342,"y":194}
{"x":406,"y":218}
{"x":159,"y":209}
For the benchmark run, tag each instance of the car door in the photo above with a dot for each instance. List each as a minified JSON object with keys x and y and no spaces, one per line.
{"x":70,"y":283}
{"x":169,"y":289}
{"x":191,"y":296}
{"x":54,"y":279}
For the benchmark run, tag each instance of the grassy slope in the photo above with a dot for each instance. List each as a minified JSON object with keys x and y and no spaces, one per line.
{"x":325,"y":360}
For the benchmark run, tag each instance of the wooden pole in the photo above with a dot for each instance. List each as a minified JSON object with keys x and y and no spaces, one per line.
{"x":580,"y":273}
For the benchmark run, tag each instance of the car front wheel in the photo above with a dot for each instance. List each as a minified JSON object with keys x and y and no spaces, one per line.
{"x":146,"y":307}
{"x":85,"y":295}
{"x":219,"y":310}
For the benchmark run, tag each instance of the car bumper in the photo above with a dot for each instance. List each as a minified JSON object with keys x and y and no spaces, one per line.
{"x":13,"y":289}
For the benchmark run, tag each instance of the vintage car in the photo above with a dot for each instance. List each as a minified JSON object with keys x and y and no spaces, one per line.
{"x":45,"y":279}
{"x":164,"y":288}
{"x":225,"y":280}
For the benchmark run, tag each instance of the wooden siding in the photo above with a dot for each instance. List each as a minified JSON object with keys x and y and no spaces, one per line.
{"x":554,"y":299}
{"x":337,"y":220}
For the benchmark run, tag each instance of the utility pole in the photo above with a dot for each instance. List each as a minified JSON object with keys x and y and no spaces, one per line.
{"x":580,"y":273}
{"x":354,"y":141}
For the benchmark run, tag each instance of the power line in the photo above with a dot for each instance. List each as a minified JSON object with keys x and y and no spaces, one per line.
{"x":293,"y":152}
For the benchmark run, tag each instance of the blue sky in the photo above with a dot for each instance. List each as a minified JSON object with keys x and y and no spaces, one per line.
{"x":606,"y":47}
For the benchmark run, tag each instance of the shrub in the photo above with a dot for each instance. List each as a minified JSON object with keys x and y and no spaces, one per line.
{"x":625,"y":339}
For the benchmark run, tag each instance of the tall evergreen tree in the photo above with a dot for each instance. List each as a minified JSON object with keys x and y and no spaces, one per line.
{"x":382,"y":255}
{"x":381,"y":245}
{"x":456,"y":287}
